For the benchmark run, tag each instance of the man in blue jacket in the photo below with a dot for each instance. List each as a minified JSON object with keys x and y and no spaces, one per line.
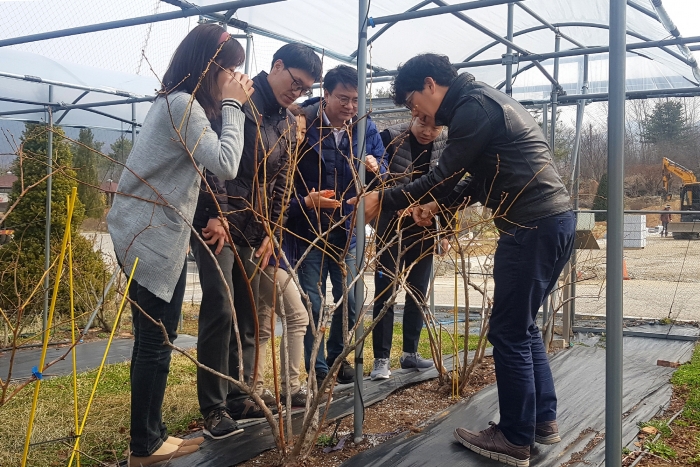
{"x":324,"y":181}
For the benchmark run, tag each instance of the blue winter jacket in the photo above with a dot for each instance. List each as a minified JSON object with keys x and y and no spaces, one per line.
{"x":321,"y":149}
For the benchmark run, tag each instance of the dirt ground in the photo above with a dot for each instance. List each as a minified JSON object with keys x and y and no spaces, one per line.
{"x":407,"y":410}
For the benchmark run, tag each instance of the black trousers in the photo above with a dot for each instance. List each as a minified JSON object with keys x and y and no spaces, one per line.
{"x":217,"y":346}
{"x":417,"y":251}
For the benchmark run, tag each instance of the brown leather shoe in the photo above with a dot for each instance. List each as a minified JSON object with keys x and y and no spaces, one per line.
{"x":493,"y":444}
{"x":135,"y":461}
{"x":547,"y":432}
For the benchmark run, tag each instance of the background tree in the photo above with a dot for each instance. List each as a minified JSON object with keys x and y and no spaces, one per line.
{"x":85,"y":161}
{"x":119,"y":151}
{"x":666,"y":123}
{"x":22,"y":260}
{"x":601,"y":199}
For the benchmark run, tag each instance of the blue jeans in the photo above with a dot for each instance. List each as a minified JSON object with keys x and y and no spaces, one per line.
{"x":527,"y":265}
{"x":313,"y":273}
{"x":150,"y":364}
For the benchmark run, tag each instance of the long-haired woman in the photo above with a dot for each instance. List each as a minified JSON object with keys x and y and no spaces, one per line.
{"x":195,"y":122}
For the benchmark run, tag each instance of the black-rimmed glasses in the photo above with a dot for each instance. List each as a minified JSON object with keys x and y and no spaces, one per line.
{"x":298,"y":86}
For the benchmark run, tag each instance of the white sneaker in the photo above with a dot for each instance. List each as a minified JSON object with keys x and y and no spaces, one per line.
{"x":381,"y":369}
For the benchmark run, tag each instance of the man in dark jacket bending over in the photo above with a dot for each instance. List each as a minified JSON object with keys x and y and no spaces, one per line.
{"x":496,"y":141}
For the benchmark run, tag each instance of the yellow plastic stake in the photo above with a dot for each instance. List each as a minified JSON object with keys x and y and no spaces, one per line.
{"x":49,"y":322}
{"x":72,"y":334}
{"x":102,"y":364}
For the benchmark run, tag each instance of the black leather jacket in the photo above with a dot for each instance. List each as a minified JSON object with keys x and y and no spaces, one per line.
{"x":499,"y":144}
{"x":257,"y":193}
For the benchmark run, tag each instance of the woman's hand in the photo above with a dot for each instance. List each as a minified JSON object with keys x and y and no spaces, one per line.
{"x":236,"y":86}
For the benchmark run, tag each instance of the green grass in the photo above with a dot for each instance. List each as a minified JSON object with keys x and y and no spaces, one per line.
{"x":686,"y":381}
{"x":661,"y":449}
{"x":106,"y":431}
{"x":107,"y":428}
{"x":688,"y":376}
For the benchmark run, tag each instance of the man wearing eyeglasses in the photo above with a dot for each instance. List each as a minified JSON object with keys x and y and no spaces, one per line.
{"x":499,"y":144}
{"x":252,"y":204}
{"x":324,"y":180}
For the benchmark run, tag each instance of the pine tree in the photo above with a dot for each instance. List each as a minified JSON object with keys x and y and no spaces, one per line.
{"x":22,"y":260}
{"x":28,"y":219}
{"x":601,"y":199}
{"x":666,"y":123}
{"x":85,"y":161}
{"x":119,"y":151}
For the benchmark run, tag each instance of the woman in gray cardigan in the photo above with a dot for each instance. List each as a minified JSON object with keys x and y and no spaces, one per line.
{"x":195,"y":122}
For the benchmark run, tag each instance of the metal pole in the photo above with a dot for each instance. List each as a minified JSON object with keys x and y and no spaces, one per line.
{"x":158,"y":17}
{"x":509,"y":51}
{"x":248,"y":50}
{"x":576,"y":176}
{"x":359,"y":412}
{"x":614,"y":300}
{"x":555,"y":93}
{"x":552,"y":138}
{"x":133,"y":124}
{"x":47,"y":235}
{"x":545,"y":122}
{"x":440,"y":10}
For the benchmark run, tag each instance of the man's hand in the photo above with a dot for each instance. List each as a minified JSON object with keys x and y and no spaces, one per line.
{"x":215,"y":234}
{"x":423,"y":214}
{"x":321,"y":199}
{"x":404,"y":212}
{"x":444,"y":246}
{"x":371,"y":163}
{"x":371,"y":205}
{"x":264,"y":251}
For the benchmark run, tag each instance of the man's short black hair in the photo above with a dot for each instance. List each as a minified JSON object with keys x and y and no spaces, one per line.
{"x":411,"y":75}
{"x":299,"y":56}
{"x":342,"y":74}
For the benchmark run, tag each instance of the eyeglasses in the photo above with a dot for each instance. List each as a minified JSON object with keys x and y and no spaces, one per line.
{"x":409,"y":104}
{"x":345,"y":100}
{"x":298,"y":86}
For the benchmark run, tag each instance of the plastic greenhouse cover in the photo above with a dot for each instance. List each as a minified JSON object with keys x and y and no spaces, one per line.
{"x":327,"y":23}
{"x":25,"y":63}
{"x":333,"y":25}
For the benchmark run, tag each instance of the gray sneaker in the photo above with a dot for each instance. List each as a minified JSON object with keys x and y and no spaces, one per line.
{"x":416,"y":362}
{"x":381,"y":369}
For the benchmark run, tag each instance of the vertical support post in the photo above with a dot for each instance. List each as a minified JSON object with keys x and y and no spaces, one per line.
{"x":545,"y":121}
{"x":248,"y":50}
{"x":133,"y":124}
{"x":361,"y":147}
{"x":616,"y":153}
{"x":555,"y":92}
{"x":576,"y":175}
{"x":552,"y":143}
{"x":509,"y":51}
{"x":47,"y":236}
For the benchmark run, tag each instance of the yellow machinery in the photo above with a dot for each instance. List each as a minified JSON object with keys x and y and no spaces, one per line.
{"x":689,"y":225}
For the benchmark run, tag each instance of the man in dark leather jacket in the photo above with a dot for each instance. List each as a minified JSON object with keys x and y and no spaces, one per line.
{"x":253,"y":205}
{"x":495,"y":140}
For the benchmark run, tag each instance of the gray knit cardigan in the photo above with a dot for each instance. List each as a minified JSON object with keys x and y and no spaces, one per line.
{"x":157,"y":193}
